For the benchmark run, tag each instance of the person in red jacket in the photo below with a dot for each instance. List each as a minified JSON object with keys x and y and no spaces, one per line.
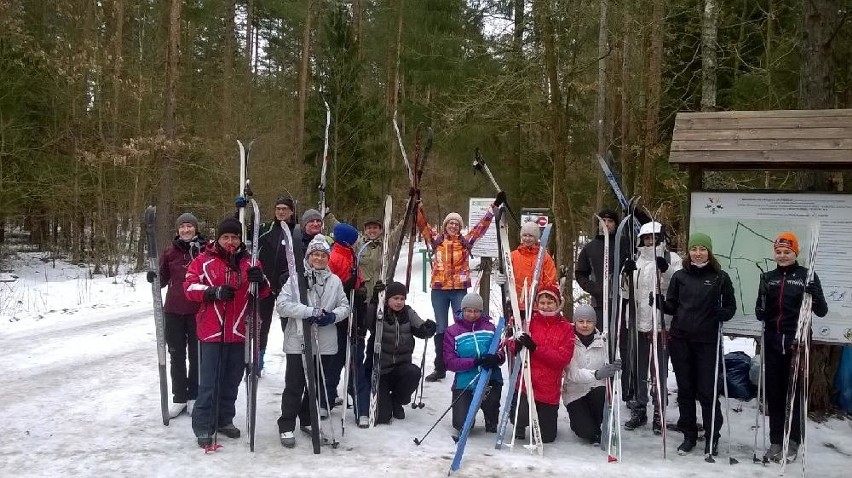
{"x":219,"y":279}
{"x":550,"y":343}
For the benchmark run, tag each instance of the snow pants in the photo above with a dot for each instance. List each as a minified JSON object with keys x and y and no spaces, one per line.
{"x":182,"y":343}
{"x":547,"y":415}
{"x":695,"y":369}
{"x":586,"y":414}
{"x":222,"y":366}
{"x":490,"y":405}
{"x":295,"y":401}
{"x":777,"y":377}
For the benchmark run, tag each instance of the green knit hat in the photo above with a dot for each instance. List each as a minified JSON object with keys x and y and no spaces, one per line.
{"x":701,"y":239}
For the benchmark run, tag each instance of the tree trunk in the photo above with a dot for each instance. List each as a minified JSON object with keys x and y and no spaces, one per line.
{"x":165,"y":193}
{"x":600,"y":103}
{"x":304,"y":72}
{"x":230,"y":30}
{"x":117,"y":54}
{"x":708,"y":55}
{"x":652,"y":113}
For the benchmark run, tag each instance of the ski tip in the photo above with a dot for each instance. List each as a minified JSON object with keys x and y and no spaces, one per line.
{"x":611,"y":459}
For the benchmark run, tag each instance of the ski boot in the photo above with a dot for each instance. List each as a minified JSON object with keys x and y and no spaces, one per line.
{"x":687,"y":445}
{"x":774,"y":452}
{"x":288,"y":439}
{"x":229,"y":431}
{"x":638,"y":418}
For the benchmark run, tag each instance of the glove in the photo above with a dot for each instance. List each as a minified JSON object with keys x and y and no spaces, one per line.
{"x":629,"y":265}
{"x":150,"y":276}
{"x":660,"y":301}
{"x":240,"y":201}
{"x":525,"y":341}
{"x":500,"y":278}
{"x":608,"y":370}
{"x":377,"y":289}
{"x":222,"y":292}
{"x":662,"y":265}
{"x":488,"y":361}
{"x":283,"y":278}
{"x":255,"y":274}
{"x":326,"y":318}
{"x":811,"y":288}
{"x":429,"y":328}
{"x":500,"y":199}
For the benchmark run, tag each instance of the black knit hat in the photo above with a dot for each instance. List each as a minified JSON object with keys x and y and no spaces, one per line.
{"x":396,"y":288}
{"x":287,"y":201}
{"x":229,"y":225}
{"x":608,"y":214}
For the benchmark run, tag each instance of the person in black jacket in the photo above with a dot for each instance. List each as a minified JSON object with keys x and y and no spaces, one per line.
{"x":273,"y":256}
{"x":779,"y":300}
{"x":399,"y":377}
{"x":700,"y":297}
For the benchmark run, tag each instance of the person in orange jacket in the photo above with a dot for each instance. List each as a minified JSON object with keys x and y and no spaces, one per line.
{"x":524,"y":259}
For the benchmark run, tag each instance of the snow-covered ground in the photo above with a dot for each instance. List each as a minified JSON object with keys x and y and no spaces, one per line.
{"x":80,"y":398}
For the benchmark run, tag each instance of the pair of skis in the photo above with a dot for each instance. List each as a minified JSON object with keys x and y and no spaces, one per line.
{"x":375,"y":373}
{"x":611,"y":436}
{"x":159,"y":318}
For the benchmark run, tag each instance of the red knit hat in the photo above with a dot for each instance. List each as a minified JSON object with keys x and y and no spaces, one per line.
{"x":788,"y":240}
{"x":552,"y":291}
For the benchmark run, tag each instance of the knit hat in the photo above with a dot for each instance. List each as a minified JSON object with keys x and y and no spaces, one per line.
{"x":345,"y":234}
{"x":287,"y":201}
{"x":311,"y":215}
{"x":553,"y":292}
{"x":453,"y":216}
{"x":229,"y":225}
{"x":608,"y":214}
{"x":532,"y":229}
{"x":186,"y":217}
{"x":788,"y":240}
{"x":585,"y":311}
{"x":700,"y":239}
{"x":472,"y":301}
{"x":396,"y":288}
{"x":317,"y":244}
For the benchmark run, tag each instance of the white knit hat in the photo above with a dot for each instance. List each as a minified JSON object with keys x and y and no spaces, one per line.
{"x":453,"y":216}
{"x":318,"y":244}
{"x":532,"y":229}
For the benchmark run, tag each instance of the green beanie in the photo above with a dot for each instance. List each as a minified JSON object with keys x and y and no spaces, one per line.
{"x":701,"y":239}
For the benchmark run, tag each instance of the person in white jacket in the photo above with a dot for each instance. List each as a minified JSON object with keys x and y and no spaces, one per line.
{"x":583,"y":387}
{"x":324,"y":305}
{"x":652,"y":260}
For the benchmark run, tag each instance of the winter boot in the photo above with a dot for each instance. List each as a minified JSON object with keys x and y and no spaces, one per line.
{"x":176,"y":409}
{"x":774,"y":452}
{"x":204,"y":440}
{"x":229,"y":431}
{"x":638,"y":418}
{"x":687,"y":445}
{"x":398,"y":411}
{"x":440,"y":368}
{"x":364,"y":422}
{"x":288,"y":439}
{"x":715,"y":446}
{"x":792,"y":451}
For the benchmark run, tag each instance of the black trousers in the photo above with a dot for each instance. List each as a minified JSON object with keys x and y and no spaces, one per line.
{"x":395,"y":389}
{"x":777,"y":377}
{"x":295,"y":401}
{"x":586,"y":414}
{"x":265,"y":309}
{"x":182,"y":343}
{"x":490,"y":405}
{"x":547,"y":415}
{"x":644,"y":357}
{"x":695,"y":369}
{"x":222,"y":367}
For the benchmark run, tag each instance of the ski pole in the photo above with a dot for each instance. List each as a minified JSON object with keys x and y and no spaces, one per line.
{"x":712,"y":432}
{"x":418,"y":441}
{"x":420,"y":403}
{"x":731,"y":459}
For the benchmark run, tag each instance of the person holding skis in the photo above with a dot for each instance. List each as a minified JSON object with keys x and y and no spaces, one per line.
{"x":399,"y":376}
{"x":779,"y":301}
{"x":466,"y":344}
{"x":583,"y":386}
{"x":589,"y":271}
{"x":219,"y":280}
{"x":652,"y":271}
{"x":179,"y":313}
{"x":326,"y":304}
{"x":450,"y":269}
{"x":524,"y":260}
{"x":550,"y":343}
{"x":271,"y":252}
{"x":302,"y":233}
{"x":700,"y":297}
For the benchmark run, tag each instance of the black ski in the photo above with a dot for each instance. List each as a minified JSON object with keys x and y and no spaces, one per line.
{"x":159,"y":319}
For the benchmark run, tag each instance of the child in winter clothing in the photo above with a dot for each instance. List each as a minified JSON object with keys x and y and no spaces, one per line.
{"x":219,"y":279}
{"x":653,"y":260}
{"x":466,"y":345}
{"x":550,"y":343}
{"x":398,"y":376}
{"x":700,"y":297}
{"x":450,"y":269}
{"x":583,"y":386}
{"x":779,"y":300}
{"x":524,"y":259}
{"x":319,"y":299}
{"x":179,"y":313}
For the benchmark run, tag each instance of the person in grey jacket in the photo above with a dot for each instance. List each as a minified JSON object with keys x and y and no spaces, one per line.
{"x":324,"y":305}
{"x":583,"y":386}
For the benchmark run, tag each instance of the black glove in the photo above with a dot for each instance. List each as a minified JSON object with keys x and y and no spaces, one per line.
{"x":660,"y":301}
{"x":488,"y":361}
{"x":608,"y":371}
{"x":255,"y":274}
{"x":222,"y":292}
{"x":629,"y":266}
{"x":283,"y":278}
{"x":721,"y":314}
{"x":662,"y":265}
{"x":525,"y":341}
{"x":811,"y":288}
{"x":500,"y":199}
{"x":377,"y":289}
{"x":150,"y":276}
{"x":327,"y":318}
{"x":429,"y":328}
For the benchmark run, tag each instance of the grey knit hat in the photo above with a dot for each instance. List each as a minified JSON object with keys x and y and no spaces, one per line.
{"x":585,"y":311}
{"x":186,"y":217}
{"x":311,"y":215}
{"x":472,"y":301}
{"x":532,"y":229}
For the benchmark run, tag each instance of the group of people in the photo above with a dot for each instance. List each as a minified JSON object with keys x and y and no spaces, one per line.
{"x":340,"y":279}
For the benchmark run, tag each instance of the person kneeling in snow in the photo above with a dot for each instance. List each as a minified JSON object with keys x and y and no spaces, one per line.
{"x":399,"y":377}
{"x":583,"y":387}
{"x":466,"y":344}
{"x":219,"y":278}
